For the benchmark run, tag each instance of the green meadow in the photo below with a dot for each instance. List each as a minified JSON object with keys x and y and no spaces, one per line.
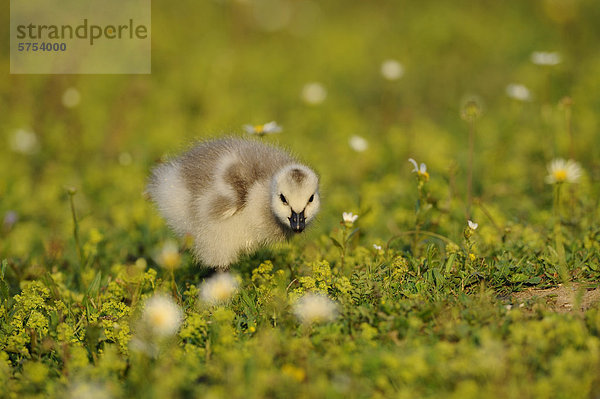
{"x":473,"y":277}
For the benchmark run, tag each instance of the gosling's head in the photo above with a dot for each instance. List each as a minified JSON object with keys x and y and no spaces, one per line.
{"x":295,"y":196}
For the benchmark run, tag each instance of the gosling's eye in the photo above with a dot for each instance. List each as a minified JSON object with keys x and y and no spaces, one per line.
{"x":312,"y":197}
{"x":282,"y":198}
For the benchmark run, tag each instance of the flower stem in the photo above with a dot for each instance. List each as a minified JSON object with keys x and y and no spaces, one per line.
{"x":470,"y":167}
{"x":486,"y":212}
{"x":418,"y":213}
{"x":416,"y":239}
{"x":570,"y":132}
{"x":343,"y":249}
{"x":558,"y":237}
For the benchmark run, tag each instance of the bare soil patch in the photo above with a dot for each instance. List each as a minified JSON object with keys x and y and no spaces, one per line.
{"x":564,"y":298}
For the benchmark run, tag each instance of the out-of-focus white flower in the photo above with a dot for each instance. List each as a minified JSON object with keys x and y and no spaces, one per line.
{"x":560,"y":171}
{"x":349,"y":218}
{"x":314,"y":93}
{"x":71,"y":97}
{"x":546,"y":58}
{"x":472,"y":225}
{"x":88,"y":390}
{"x":125,"y":159}
{"x":315,"y":308}
{"x":169,"y":256}
{"x":272,"y":15}
{"x":260,"y":130}
{"x":377,"y":248}
{"x":307,"y":15}
{"x":518,"y":92}
{"x":392,"y":70}
{"x":358,"y":143}
{"x":219,"y":288}
{"x":10,"y":218}
{"x":24,"y":142}
{"x":162,"y":315}
{"x":144,"y":345}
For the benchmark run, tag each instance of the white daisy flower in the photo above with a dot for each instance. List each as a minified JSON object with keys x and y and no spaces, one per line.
{"x":314,"y":93}
{"x":88,"y":390}
{"x":546,"y":58}
{"x":421,"y":171}
{"x":472,"y":225}
{"x":260,"y":130}
{"x":169,"y":256}
{"x":518,"y":92}
{"x":358,"y":143}
{"x":162,"y":315}
{"x":25,"y":142}
{"x":71,"y":97}
{"x":560,"y":171}
{"x":392,"y":70}
{"x":315,"y":308}
{"x":349,"y":218}
{"x":219,"y":288}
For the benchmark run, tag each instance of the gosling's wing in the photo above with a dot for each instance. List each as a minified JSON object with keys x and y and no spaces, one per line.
{"x":201,"y":165}
{"x":233,"y":181}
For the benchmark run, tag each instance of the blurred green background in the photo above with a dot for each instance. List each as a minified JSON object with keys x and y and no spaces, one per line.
{"x":217,"y":65}
{"x":359,"y":87}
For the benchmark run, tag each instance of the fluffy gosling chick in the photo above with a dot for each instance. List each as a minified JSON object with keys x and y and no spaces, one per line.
{"x":234,"y":195}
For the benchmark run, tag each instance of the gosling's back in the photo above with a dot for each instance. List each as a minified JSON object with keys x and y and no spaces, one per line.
{"x":238,"y":162}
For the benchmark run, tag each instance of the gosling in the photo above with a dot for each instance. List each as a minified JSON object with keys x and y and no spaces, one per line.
{"x":233,"y":196}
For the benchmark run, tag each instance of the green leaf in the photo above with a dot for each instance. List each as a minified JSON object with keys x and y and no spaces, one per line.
{"x":352,"y":234}
{"x":4,"y":291}
{"x":534,"y":280}
{"x":249,"y":305}
{"x":94,"y":287}
{"x":93,"y":335}
{"x":336,"y":243}
{"x":51,"y":284}
{"x":438,"y":277}
{"x":450,"y":262}
{"x":518,"y":278}
{"x":3,"y":268}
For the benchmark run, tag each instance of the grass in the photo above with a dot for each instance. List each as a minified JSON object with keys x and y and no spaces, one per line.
{"x":433,"y":313}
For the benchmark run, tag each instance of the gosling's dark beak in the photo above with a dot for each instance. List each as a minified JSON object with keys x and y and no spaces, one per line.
{"x":297,"y":222}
